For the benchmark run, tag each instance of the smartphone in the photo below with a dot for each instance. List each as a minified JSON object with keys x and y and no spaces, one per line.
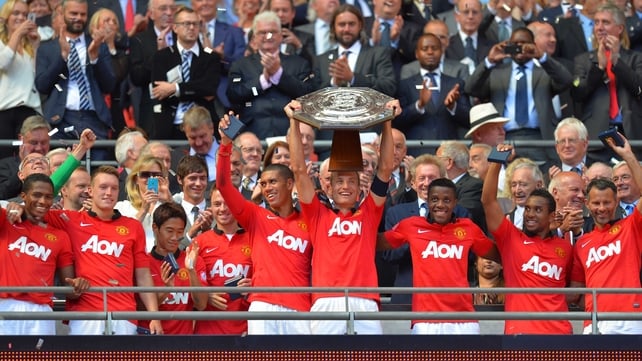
{"x":496,"y":156}
{"x":512,"y":49}
{"x":233,"y":282}
{"x":171,"y":260}
{"x":152,"y":184}
{"x":613,"y":135}
{"x":234,"y":128}
{"x":31,"y":17}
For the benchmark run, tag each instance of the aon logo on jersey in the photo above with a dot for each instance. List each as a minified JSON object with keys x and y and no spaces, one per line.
{"x":221,"y":269}
{"x":437,"y":250}
{"x":177,"y":298}
{"x":344,"y":228}
{"x":102,"y":247}
{"x":543,"y":268}
{"x":603,"y":252}
{"x":30,"y":248}
{"x":288,"y":241}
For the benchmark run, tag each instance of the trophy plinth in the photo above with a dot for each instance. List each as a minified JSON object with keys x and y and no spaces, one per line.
{"x":346,"y":111}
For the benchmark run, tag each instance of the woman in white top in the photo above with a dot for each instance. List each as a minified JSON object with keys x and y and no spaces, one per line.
{"x":142,"y":201}
{"x":19,"y":42}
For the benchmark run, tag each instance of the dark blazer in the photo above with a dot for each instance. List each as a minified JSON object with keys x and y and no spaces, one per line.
{"x":122,"y":185}
{"x":401,"y":255}
{"x":548,"y":79}
{"x":455,"y":49}
{"x":634,"y":29}
{"x":436,"y":122}
{"x":490,"y":29}
{"x":307,"y":50}
{"x":51,"y":70}
{"x":469,"y":190}
{"x":200,"y":89}
{"x":143,"y":48}
{"x":114,"y":5}
{"x":570,"y":38}
{"x":262,"y":110}
{"x":233,"y":50}
{"x":10,"y":184}
{"x":452,"y":68}
{"x":405,"y":51}
{"x":593,"y":93}
{"x":551,"y":14}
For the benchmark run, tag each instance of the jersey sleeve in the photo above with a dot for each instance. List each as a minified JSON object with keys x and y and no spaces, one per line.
{"x":66,"y":256}
{"x":577,"y":270}
{"x":481,"y":244}
{"x":64,"y":171}
{"x":201,"y":271}
{"x":312,"y":212}
{"x":141,"y":260}
{"x":503,"y":233}
{"x":397,"y":235}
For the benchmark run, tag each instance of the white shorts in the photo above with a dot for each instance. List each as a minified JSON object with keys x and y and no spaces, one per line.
{"x":338,"y":304}
{"x":453,"y":328}
{"x":616,"y":328}
{"x":275,"y":327}
{"x":92,"y":327}
{"x":25,"y":327}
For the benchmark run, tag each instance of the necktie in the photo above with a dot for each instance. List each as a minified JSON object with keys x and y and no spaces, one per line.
{"x":392,"y":184}
{"x":185,"y":72}
{"x":246,"y":183}
{"x":576,"y":170}
{"x":129,"y":15}
{"x":469,"y":50}
{"x":614,"y":108}
{"x":77,"y":75}
{"x":423,"y":210}
{"x":210,"y":33}
{"x":385,"y":34}
{"x":195,"y":212}
{"x":502,"y":32}
{"x":628,"y":209}
{"x":521,"y":97}
{"x":427,"y":12}
{"x":323,"y":41}
{"x":434,"y":98}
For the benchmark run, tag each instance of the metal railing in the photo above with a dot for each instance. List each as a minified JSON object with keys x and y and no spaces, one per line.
{"x":349,"y":316}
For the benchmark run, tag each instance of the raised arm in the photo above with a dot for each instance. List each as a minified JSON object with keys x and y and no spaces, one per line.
{"x":628,"y":156}
{"x":385,"y":167}
{"x":304,"y":185}
{"x":494,"y":213}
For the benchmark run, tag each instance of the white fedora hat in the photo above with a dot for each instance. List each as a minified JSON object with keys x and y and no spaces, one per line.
{"x":483,"y":114}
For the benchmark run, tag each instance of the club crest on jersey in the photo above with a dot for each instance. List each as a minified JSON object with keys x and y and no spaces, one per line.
{"x":460,"y":233}
{"x":51,"y":237}
{"x":246,"y":250}
{"x":560,"y":252}
{"x":303,"y":226}
{"x":615,"y":229}
{"x":122,"y":230}
{"x":182,"y":274}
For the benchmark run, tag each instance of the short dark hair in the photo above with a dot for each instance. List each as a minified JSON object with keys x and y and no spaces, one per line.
{"x":443,"y":182}
{"x":166,"y":211}
{"x":28,"y":183}
{"x":543,"y":193}
{"x":527,"y":31}
{"x":281,"y":170}
{"x":601,"y":184}
{"x":191,"y":164}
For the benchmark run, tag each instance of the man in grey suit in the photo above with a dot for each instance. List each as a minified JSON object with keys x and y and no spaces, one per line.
{"x":468,"y":44}
{"x":522,"y":90}
{"x":591,"y":71}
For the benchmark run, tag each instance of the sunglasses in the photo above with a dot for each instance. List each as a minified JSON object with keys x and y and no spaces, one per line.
{"x":148,"y":174}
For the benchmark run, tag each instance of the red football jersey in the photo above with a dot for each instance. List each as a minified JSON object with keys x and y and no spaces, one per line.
{"x":281,"y":250}
{"x":31,"y":256}
{"x":532,"y":262}
{"x":106,"y":253}
{"x":175,"y":301}
{"x":344,"y":247}
{"x":440,"y":259}
{"x":225,"y":259}
{"x":610,"y":258}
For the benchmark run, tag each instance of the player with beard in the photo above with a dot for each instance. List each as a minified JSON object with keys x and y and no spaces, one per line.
{"x":532,"y":257}
{"x":226,"y":251}
{"x":440,"y":241}
{"x":281,"y":250}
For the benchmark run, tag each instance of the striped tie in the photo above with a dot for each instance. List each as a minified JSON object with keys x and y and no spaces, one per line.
{"x":185,"y":70}
{"x":77,"y":75}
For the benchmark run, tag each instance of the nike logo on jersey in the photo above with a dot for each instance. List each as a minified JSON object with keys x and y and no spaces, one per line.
{"x":528,"y":242}
{"x":210,"y":250}
{"x":420,"y":231}
{"x":585,"y":243}
{"x":272,"y":217}
{"x":83,"y":224}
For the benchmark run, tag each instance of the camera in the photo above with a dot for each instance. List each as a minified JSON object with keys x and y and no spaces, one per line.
{"x":512,"y":49}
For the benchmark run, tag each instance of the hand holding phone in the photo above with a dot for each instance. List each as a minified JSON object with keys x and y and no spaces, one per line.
{"x":497,"y":156}
{"x":233,"y":282}
{"x":152,"y":184}
{"x":171,"y":260}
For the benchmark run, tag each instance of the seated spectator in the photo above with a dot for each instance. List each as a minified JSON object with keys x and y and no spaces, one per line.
{"x":489,"y":275}
{"x":143,"y":200}
{"x":168,"y":226}
{"x":277,"y":153}
{"x":478,"y":160}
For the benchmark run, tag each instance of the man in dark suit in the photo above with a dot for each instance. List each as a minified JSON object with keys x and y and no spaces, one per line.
{"x":75,"y":71}
{"x":389,"y":30}
{"x":432,"y":106}
{"x":634,"y":26}
{"x":264,"y":82}
{"x":144,"y":45}
{"x":468,"y":43}
{"x":522,"y":90}
{"x":498,"y":23}
{"x":553,"y":14}
{"x":224,"y":39}
{"x":295,"y":41}
{"x":622,"y":67}
{"x":184,"y":75}
{"x":447,"y":66}
{"x":574,"y":34}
